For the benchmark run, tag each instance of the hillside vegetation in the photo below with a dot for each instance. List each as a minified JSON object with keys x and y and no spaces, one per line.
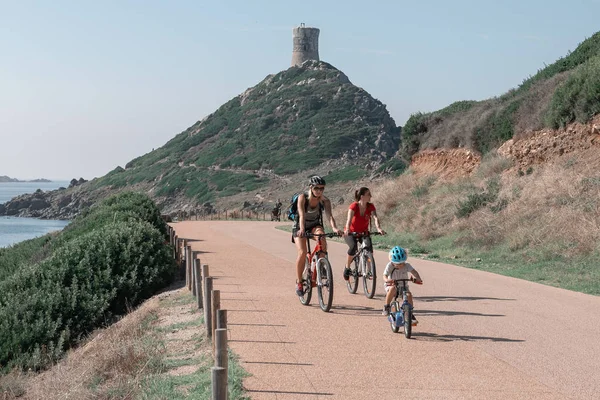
{"x":300,"y":117}
{"x":56,"y":289}
{"x":563,"y":92}
{"x":302,"y":120}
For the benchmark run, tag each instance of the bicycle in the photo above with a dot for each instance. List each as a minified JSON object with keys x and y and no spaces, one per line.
{"x":317,"y":273}
{"x":401,"y":314}
{"x":364,"y":266}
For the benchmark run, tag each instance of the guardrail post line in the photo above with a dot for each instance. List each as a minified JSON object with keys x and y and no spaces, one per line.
{"x":219,"y":383}
{"x":208,"y":288}
{"x":198,"y":283}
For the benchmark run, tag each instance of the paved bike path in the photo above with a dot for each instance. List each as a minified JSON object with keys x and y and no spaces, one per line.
{"x":480,"y":335}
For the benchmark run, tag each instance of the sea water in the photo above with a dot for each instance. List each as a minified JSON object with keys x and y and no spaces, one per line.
{"x":13,"y":229}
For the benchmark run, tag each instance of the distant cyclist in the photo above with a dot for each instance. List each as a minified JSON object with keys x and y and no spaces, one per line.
{"x":359,"y":218}
{"x":398,"y":268}
{"x":310,"y":219}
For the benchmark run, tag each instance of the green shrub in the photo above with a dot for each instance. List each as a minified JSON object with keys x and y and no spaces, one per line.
{"x":578,"y":98}
{"x":349,"y":173}
{"x":498,"y":128}
{"x":475,"y":201}
{"x":89,"y":281}
{"x":414,"y":127}
{"x":585,"y":50}
{"x":60,"y":287}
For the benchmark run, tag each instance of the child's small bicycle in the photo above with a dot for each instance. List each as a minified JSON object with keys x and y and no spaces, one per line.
{"x":317,"y":273}
{"x":364,"y":266}
{"x":401,"y":314}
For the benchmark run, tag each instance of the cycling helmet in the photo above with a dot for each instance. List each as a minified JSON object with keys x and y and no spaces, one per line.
{"x":397,"y":255}
{"x":316,"y":180}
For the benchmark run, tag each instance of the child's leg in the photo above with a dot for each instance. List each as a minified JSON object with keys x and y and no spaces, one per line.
{"x":391,"y":293}
{"x":409,"y":297}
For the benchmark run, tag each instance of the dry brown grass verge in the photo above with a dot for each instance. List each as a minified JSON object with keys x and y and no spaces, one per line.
{"x":115,"y":361}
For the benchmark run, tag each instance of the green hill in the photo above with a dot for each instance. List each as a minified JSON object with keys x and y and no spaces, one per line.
{"x":565,"y":91}
{"x":289,"y":122}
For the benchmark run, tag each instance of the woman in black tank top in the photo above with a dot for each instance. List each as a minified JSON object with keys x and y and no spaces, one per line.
{"x":310,"y":219}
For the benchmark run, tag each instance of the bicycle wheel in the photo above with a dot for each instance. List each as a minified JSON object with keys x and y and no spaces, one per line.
{"x":392,"y":317}
{"x":407,"y":321}
{"x":369,"y":274}
{"x":352,"y":282}
{"x":306,"y":284}
{"x":325,"y":285}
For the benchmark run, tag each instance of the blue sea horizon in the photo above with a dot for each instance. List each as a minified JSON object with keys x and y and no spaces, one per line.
{"x":14,"y":229}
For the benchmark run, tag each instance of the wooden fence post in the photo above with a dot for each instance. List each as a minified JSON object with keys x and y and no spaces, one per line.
{"x":193,"y":273}
{"x":221,"y":348}
{"x":221,"y":319}
{"x":189,"y":264}
{"x":205,"y":273}
{"x":219,"y":383}
{"x":184,"y":259}
{"x":175,"y":249}
{"x":215,"y":305}
{"x":208,"y":288}
{"x":198,"y":282}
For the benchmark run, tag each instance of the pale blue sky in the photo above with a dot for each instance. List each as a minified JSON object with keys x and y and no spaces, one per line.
{"x":89,"y":85}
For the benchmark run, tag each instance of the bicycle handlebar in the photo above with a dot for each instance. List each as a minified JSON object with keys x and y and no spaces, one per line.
{"x":361,"y":234}
{"x":411,"y":279}
{"x":312,"y":235}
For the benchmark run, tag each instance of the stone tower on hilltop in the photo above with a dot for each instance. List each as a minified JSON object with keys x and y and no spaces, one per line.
{"x":306,"y":44}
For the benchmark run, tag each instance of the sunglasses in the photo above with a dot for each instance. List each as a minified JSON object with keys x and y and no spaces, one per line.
{"x":321,"y":188}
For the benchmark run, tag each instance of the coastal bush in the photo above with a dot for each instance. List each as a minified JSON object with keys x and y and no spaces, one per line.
{"x":57,"y":288}
{"x":414,"y":127}
{"x":46,"y":307}
{"x":475,"y":201}
{"x":497,"y":128}
{"x":577,"y":99}
{"x":29,"y":250}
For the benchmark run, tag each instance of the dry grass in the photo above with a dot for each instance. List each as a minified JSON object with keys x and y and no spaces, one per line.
{"x":112,"y":362}
{"x":554,"y":211}
{"x":157,"y":351}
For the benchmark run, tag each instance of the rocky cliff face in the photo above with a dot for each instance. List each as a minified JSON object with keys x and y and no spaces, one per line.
{"x":55,"y":204}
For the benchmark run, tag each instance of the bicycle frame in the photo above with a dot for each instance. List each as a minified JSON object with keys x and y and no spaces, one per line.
{"x":312,"y":256}
{"x":365,"y":266}
{"x":362,"y":247}
{"x":402,"y":314}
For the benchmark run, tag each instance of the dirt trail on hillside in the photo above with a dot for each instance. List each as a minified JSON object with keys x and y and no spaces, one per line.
{"x":480,"y":336}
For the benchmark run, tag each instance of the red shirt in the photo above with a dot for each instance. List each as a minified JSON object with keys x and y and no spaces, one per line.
{"x":360,"y":223}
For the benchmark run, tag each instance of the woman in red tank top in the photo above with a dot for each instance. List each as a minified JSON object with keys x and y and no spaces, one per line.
{"x":359,"y":217}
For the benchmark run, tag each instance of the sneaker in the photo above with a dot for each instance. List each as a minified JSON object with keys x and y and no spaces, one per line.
{"x":414,"y":321}
{"x":386,"y":310}
{"x":347,"y":273}
{"x":299,"y":290}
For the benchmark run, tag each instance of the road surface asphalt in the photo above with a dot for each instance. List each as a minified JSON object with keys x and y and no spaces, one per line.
{"x":480,"y":335}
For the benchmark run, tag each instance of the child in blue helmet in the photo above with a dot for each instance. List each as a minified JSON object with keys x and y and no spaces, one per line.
{"x":398,"y":268}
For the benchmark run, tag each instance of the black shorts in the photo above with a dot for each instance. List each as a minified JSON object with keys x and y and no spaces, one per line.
{"x":307,"y":228}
